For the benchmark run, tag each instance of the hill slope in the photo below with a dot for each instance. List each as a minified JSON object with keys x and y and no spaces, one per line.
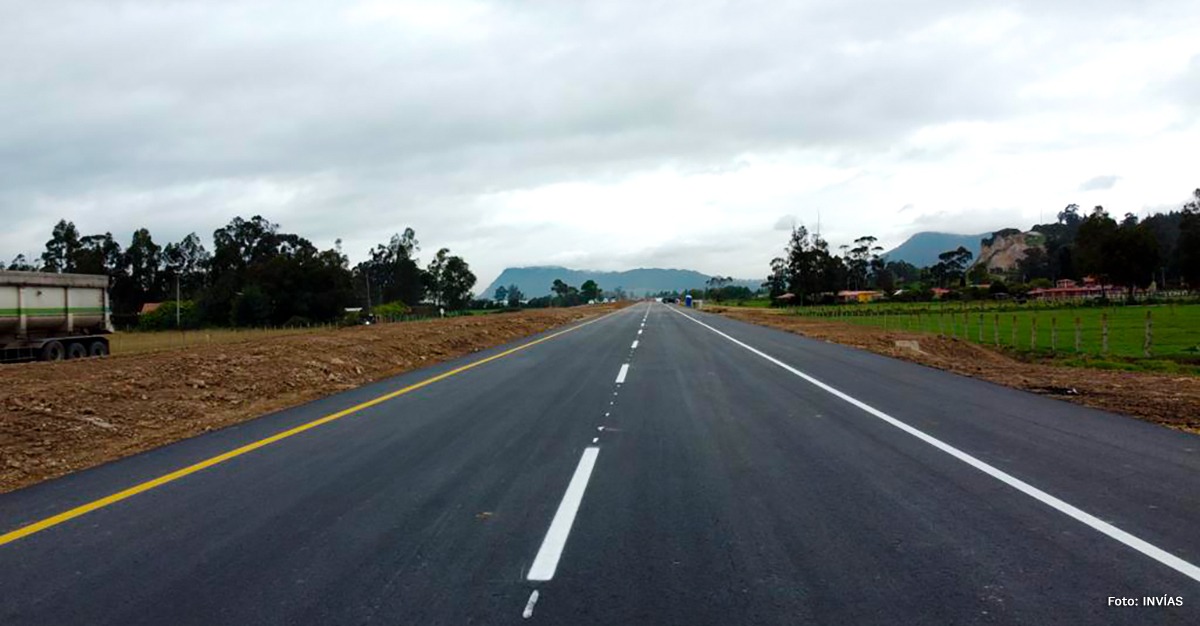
{"x":922,"y":249}
{"x":536,"y":281}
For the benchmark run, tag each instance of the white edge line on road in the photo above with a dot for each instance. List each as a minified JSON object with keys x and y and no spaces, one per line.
{"x":634,"y":346}
{"x":1150,"y":550}
{"x":623,"y":373}
{"x":546,"y":562}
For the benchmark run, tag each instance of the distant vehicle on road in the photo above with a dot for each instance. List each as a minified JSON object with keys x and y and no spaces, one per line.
{"x":51,"y":317}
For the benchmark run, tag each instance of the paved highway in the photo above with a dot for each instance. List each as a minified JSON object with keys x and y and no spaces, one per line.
{"x":654,"y":466}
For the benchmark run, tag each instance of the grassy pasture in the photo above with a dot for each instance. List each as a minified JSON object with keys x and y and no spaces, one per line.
{"x":1044,"y":329}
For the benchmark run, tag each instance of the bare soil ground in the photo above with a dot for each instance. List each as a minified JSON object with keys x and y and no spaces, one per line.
{"x":1172,"y":401}
{"x":57,"y":418}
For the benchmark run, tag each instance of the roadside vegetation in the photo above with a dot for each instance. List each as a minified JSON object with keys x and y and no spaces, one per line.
{"x":257,"y":276}
{"x":1091,"y":292}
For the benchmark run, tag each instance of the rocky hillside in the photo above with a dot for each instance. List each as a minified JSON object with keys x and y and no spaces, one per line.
{"x":1005,"y":248}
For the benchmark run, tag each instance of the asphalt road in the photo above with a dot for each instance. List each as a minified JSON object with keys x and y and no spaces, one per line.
{"x":735,"y":475}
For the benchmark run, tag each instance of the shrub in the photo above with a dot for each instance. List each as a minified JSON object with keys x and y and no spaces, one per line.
{"x":391,"y":310}
{"x":163,"y":318}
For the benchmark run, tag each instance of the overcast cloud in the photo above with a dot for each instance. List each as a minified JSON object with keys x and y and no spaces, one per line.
{"x":598,"y":135}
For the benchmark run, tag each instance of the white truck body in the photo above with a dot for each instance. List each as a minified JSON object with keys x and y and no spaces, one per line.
{"x":67,"y":312}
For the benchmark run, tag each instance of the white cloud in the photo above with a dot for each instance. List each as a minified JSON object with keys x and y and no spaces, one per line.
{"x":600,"y":134}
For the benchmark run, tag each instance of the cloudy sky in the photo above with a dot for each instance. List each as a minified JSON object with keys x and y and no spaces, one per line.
{"x":596,"y":135}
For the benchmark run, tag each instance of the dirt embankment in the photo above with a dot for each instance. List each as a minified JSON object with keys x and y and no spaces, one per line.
{"x":1168,"y":400}
{"x":56,"y":418}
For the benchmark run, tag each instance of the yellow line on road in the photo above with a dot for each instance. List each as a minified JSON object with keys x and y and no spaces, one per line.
{"x":35,"y":527}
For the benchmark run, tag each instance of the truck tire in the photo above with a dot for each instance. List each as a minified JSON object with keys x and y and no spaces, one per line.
{"x":98,"y":348}
{"x":53,"y":351}
{"x":76,"y":350}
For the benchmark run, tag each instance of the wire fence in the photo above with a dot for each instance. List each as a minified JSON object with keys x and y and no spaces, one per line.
{"x":1138,"y":331}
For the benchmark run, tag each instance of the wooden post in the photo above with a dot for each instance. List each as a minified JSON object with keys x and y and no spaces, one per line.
{"x":1104,"y":334}
{"x":1078,"y":335}
{"x":1149,"y":335}
{"x":981,"y":327}
{"x":1053,"y":334}
{"x":953,"y":325}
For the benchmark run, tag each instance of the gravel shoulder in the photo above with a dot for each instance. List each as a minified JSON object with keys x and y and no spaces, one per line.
{"x":58,"y":418}
{"x":1172,"y":401}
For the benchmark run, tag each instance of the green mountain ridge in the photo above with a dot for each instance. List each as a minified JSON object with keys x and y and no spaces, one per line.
{"x":535,"y":281}
{"x":922,"y":249}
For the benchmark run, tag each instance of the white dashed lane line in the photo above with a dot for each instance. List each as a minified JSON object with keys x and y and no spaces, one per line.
{"x":546,"y":562}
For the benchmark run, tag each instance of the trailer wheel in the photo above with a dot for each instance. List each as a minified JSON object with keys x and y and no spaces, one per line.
{"x":53,"y":351}
{"x":98,"y":348}
{"x":76,"y":350}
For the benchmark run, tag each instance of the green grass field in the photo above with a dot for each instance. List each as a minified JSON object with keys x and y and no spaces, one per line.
{"x":1045,"y":329}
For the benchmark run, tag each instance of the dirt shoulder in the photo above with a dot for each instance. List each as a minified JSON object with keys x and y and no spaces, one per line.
{"x":57,"y":418}
{"x":1172,"y":401}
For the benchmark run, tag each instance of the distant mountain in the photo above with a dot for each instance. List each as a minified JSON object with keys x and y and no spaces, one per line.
{"x":536,"y":281}
{"x":922,"y":249}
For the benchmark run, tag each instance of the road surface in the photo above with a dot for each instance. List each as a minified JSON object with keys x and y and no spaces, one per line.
{"x":654,"y":466}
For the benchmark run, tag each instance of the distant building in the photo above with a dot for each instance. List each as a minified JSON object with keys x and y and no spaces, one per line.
{"x":1067,"y":289}
{"x":858,"y":296}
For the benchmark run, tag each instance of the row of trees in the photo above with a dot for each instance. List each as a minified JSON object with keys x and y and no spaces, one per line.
{"x":255,"y":274}
{"x":564,"y":295}
{"x":1130,"y":253}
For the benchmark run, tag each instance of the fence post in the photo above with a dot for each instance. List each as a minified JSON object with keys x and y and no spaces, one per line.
{"x":1077,"y":334}
{"x":953,"y":325}
{"x":981,"y":327}
{"x":1053,"y":335}
{"x":1033,"y":335}
{"x":1104,"y":334}
{"x":940,"y":331}
{"x":1149,"y":335}
{"x":996,"y":330}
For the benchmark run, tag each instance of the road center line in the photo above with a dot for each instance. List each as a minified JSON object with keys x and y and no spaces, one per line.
{"x":621,"y":374}
{"x":546,"y":562}
{"x":1150,"y":550}
{"x":528,"y":612}
{"x":634,"y":346}
{"x":84,"y":509}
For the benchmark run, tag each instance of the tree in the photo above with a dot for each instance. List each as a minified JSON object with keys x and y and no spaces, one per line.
{"x":501,"y":294}
{"x":1094,"y":232}
{"x":1034,"y":264}
{"x":99,"y":254}
{"x":435,"y":276}
{"x":777,"y":281}
{"x":1131,"y":256}
{"x":187,"y":263}
{"x":62,"y":248}
{"x":144,"y":259}
{"x":864,"y":260}
{"x":951,"y":266}
{"x":515,"y":296}
{"x":251,"y":307}
{"x":20,"y":264}
{"x":392,"y":272}
{"x":457,"y":282}
{"x":589,"y":291}
{"x":1188,"y":248}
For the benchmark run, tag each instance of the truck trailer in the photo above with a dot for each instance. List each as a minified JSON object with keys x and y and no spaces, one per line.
{"x":51,"y":317}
